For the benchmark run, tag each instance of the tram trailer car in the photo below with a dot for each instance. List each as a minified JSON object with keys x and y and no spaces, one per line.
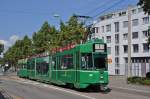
{"x":79,"y":66}
{"x":22,"y":63}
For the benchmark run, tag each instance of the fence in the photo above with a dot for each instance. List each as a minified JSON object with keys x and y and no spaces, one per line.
{"x":138,"y":69}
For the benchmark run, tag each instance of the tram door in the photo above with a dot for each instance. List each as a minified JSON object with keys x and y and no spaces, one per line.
{"x":77,"y":66}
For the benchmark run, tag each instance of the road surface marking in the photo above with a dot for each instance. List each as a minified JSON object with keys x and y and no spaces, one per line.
{"x":56,"y":88}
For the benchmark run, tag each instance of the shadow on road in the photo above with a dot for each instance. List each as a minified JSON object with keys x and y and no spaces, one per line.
{"x":86,"y":90}
{"x":1,"y":95}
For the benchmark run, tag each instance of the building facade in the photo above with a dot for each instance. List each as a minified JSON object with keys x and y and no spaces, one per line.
{"x":113,"y":28}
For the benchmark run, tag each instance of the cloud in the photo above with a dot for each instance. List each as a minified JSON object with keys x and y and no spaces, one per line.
{"x":13,"y":38}
{"x":10,"y":42}
{"x":3,"y":42}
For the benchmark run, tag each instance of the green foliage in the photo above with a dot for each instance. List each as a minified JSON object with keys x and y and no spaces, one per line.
{"x":145,"y":4}
{"x":139,"y":80}
{"x":72,"y":32}
{"x":21,"y":49}
{"x":149,"y":40}
{"x":146,"y":82}
{"x":1,"y":48}
{"x":46,"y":39}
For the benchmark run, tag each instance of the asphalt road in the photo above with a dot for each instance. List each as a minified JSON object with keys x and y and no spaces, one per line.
{"x":26,"y":89}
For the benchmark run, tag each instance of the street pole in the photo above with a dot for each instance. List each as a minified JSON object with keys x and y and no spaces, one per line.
{"x":129,"y":42}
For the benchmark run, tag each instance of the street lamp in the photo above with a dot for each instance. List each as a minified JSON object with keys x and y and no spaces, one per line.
{"x":58,"y":17}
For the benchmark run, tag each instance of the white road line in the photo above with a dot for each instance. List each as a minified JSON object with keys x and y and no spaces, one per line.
{"x":56,"y":88}
{"x":137,"y":90}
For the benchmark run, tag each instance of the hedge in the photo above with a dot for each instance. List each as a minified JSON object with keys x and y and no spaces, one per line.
{"x":139,"y":80}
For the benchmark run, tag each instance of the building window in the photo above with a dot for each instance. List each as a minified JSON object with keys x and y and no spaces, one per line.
{"x":145,"y":20}
{"x":109,"y":50}
{"x":145,"y":47}
{"x":135,"y":22}
{"x":135,"y":35}
{"x":146,"y":33}
{"x":122,"y":13}
{"x":140,"y":10}
{"x":134,"y":11}
{"x":125,"y":24}
{"x":117,"y":71}
{"x":96,"y":29}
{"x":126,"y":60}
{"x":116,"y":50}
{"x":108,"y":39}
{"x":103,"y":29}
{"x":116,"y":26}
{"x":116,"y":38}
{"x":102,"y":37}
{"x":116,"y":61}
{"x":108,"y":28}
{"x":93,"y":30}
{"x":125,"y":47}
{"x":135,"y":48}
{"x":125,"y":36}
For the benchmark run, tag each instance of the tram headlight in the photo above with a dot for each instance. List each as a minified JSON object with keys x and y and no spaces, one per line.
{"x":101,"y":77}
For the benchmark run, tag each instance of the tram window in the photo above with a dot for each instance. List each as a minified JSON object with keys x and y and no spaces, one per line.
{"x":31,"y":64}
{"x":54,"y":62}
{"x":99,"y":62}
{"x":42,"y":67}
{"x":86,"y":60}
{"x":59,"y":62}
{"x":25,"y":65}
{"x":28,"y":65}
{"x":67,"y":62}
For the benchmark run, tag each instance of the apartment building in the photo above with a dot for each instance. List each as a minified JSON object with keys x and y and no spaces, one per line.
{"x":113,"y":28}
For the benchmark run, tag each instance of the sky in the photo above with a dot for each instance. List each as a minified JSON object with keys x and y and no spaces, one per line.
{"x":23,"y":17}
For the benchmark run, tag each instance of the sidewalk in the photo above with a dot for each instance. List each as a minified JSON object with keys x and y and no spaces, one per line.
{"x":119,"y":83}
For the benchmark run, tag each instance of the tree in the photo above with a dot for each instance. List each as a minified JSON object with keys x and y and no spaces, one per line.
{"x":145,"y":4}
{"x":21,"y":49}
{"x":1,"y":48}
{"x":72,"y":32}
{"x":26,"y":46}
{"x":44,"y":39}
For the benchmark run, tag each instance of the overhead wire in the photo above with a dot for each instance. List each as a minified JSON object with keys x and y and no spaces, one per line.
{"x":100,"y":6}
{"x":113,"y":5}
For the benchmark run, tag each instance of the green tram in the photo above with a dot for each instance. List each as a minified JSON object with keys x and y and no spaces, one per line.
{"x":22,"y":64}
{"x":79,"y":66}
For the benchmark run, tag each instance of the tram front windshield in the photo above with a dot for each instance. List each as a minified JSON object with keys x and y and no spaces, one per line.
{"x":95,"y":61}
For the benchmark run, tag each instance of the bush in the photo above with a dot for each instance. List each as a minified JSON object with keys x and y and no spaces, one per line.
{"x":135,"y":80}
{"x":148,"y":75}
{"x":139,"y":80}
{"x":146,"y":82}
